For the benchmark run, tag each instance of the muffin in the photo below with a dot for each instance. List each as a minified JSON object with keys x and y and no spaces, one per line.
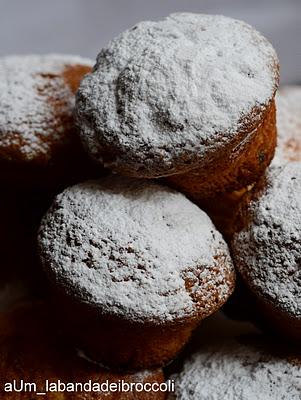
{"x":135,"y":267}
{"x":266,"y":248}
{"x":223,"y":208}
{"x":241,"y":364}
{"x":38,"y":139}
{"x":31,"y":352}
{"x":189,"y":98}
{"x":288,"y":102}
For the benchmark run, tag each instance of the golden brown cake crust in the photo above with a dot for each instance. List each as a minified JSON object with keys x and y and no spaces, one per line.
{"x":38,"y":136}
{"x":126,"y":276}
{"x":237,"y":167}
{"x":223,"y":208}
{"x":266,"y":247}
{"x":121,"y":344}
{"x":180,"y":96}
{"x":35,"y":133}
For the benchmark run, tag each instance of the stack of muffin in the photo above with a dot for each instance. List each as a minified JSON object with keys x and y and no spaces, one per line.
{"x":176,"y":124}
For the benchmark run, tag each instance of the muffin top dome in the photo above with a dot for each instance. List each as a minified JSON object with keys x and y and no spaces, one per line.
{"x":165,"y":96}
{"x":136,"y":250}
{"x":36,"y":105}
{"x":288,"y":102}
{"x":243,"y":365}
{"x":267,"y":250}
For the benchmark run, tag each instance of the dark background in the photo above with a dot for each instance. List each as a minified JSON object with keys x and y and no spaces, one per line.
{"x":84,"y":26}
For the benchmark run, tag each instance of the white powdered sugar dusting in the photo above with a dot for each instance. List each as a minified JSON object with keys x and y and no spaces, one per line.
{"x":164,"y":96}
{"x":135,"y":249}
{"x":288,"y":102}
{"x":268,"y":250}
{"x":238,"y":367}
{"x":27,"y":86}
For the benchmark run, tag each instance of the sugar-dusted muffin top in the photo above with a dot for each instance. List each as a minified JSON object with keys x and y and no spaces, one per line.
{"x":267,"y":250}
{"x":288,"y":102}
{"x":239,"y":365}
{"x":36,"y":105}
{"x":166,"y":96}
{"x":137,"y":250}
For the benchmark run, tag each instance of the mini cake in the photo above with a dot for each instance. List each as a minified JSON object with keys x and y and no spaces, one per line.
{"x":223,"y":207}
{"x":38,"y":140}
{"x":190,"y":98}
{"x":267,"y":247}
{"x":288,"y":102}
{"x":31,"y":352}
{"x":135,"y":267}
{"x":242,"y":365}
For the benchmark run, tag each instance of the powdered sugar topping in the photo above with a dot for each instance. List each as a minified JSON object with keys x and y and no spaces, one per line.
{"x":268,"y":249}
{"x":164,"y":96}
{"x":28,"y":84}
{"x":288,"y":102}
{"x":136,"y":249}
{"x":240,"y":368}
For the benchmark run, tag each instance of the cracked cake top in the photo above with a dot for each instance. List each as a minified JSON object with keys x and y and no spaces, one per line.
{"x":165,"y":96}
{"x":135,"y":249}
